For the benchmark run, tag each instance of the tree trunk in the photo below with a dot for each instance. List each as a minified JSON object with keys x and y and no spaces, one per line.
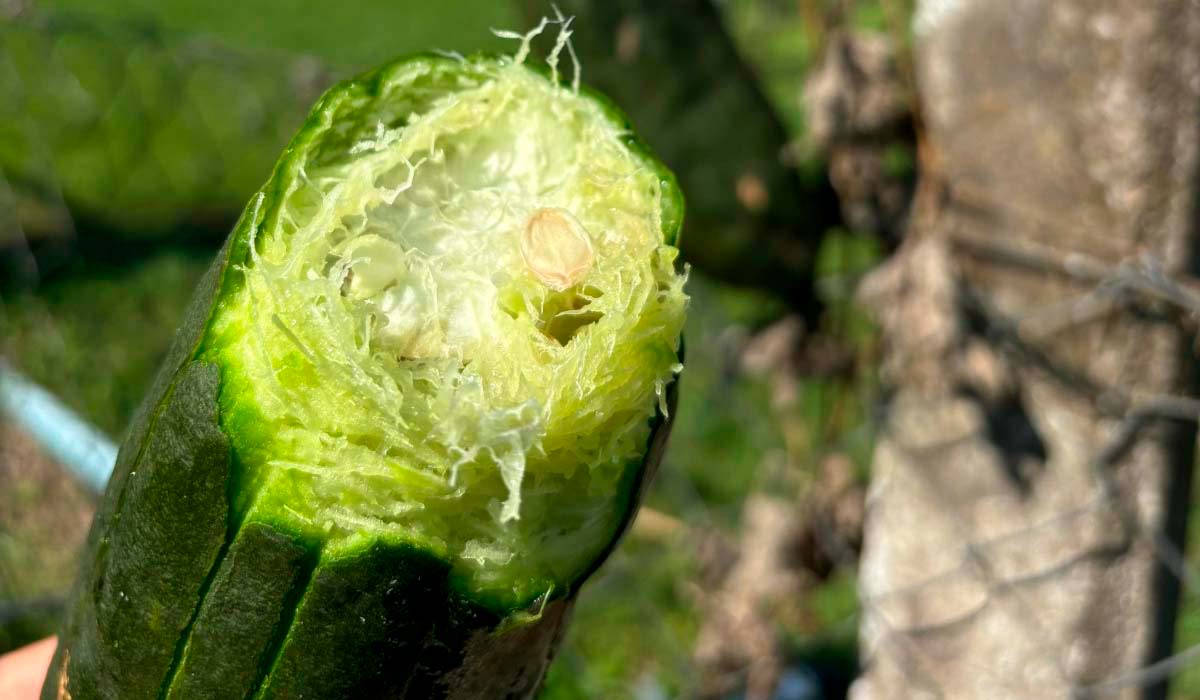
{"x":1031,"y":482}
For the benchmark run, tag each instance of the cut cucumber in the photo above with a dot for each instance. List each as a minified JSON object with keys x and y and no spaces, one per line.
{"x":412,"y":408}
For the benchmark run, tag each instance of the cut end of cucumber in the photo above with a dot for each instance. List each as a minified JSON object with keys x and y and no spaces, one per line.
{"x":456,"y":327}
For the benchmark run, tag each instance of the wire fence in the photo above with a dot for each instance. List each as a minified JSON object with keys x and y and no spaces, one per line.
{"x":1008,"y":563}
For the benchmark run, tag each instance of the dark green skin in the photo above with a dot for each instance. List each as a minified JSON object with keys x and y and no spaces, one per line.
{"x":177,"y":598}
{"x":242,"y":614}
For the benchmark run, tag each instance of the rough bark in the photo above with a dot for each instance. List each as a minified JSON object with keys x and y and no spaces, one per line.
{"x":859,"y":117}
{"x":1006,"y":550}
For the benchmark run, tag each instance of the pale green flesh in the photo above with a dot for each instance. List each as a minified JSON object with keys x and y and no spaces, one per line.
{"x":397,"y":365}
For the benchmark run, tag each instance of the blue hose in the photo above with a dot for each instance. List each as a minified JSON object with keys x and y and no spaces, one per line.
{"x":73,"y":442}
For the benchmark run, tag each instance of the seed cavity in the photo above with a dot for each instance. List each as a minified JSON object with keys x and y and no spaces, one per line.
{"x":556,"y":248}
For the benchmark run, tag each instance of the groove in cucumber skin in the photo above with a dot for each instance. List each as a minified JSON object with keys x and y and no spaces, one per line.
{"x":422,"y":631}
{"x":244,"y":608}
{"x":368,"y":615}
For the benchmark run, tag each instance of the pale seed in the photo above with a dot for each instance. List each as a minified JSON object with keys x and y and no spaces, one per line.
{"x":556,"y":248}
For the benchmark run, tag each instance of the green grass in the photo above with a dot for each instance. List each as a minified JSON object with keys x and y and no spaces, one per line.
{"x":96,"y":336}
{"x":724,"y":430}
{"x":118,"y":109}
{"x":635,"y":624}
{"x":346,"y":34}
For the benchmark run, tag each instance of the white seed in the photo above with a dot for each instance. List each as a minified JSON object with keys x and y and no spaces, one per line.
{"x":556,"y":248}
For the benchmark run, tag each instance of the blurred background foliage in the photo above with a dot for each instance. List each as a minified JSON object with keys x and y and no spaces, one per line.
{"x":132,"y":133}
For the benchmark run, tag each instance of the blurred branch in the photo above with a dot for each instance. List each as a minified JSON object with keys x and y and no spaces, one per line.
{"x":816,"y":22}
{"x":656,"y":526}
{"x":861,"y":118}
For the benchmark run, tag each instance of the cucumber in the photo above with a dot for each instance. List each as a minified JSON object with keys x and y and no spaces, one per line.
{"x":413,"y":405}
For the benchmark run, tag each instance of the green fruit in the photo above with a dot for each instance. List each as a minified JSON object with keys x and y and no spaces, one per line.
{"x":412,"y":408}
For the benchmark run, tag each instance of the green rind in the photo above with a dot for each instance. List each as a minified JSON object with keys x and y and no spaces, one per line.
{"x":80,"y":636}
{"x":156,"y":550}
{"x":79,"y":664}
{"x":247,"y":603}
{"x":418,"y":635}
{"x":656,"y":447}
{"x":360,"y":626}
